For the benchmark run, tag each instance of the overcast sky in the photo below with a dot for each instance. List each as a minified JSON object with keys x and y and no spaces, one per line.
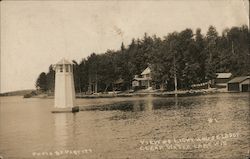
{"x":35,"y":34}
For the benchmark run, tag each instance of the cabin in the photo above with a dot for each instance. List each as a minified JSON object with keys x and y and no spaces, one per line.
{"x":222,"y":79}
{"x":119,"y":85}
{"x":144,"y":81}
{"x":239,"y":84}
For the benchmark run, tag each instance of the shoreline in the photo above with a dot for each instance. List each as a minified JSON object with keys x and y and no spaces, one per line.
{"x":142,"y":93}
{"x":120,"y":101}
{"x":184,"y":93}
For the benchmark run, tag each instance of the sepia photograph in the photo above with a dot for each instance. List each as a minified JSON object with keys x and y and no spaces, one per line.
{"x":124,"y":79}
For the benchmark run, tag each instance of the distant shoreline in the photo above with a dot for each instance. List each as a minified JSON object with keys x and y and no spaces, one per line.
{"x":17,"y":93}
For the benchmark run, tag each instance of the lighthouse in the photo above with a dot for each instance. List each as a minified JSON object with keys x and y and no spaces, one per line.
{"x":64,"y":100}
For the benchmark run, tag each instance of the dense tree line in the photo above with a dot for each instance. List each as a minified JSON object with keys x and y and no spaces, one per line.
{"x":194,"y":58}
{"x":46,"y":81}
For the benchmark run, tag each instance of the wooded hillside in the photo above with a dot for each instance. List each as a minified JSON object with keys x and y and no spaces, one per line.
{"x":195,"y":58}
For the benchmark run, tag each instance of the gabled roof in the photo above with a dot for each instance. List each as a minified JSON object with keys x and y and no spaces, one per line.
{"x":146,"y":71}
{"x":223,"y":75}
{"x":63,"y":61}
{"x":239,"y":79}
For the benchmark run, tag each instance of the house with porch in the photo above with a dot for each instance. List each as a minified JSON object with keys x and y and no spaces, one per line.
{"x":143,"y":81}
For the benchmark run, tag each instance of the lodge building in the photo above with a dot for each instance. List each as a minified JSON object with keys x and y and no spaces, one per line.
{"x":221,"y":79}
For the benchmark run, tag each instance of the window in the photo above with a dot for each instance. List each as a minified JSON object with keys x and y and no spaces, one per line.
{"x":70,"y":68}
{"x":67,"y":68}
{"x":61,"y":68}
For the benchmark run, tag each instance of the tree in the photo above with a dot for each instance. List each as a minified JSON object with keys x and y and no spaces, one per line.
{"x":200,"y":56}
{"x":122,"y":47}
{"x":212,"y":53}
{"x":77,"y":76}
{"x":41,"y":82}
{"x":194,"y":58}
{"x":50,"y":78}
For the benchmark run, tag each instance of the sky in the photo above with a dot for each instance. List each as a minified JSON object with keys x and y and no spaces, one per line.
{"x":35,"y":34}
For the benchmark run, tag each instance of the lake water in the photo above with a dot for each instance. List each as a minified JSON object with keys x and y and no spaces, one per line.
{"x":206,"y":126}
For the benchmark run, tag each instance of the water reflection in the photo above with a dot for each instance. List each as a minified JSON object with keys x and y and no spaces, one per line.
{"x":176,"y":101}
{"x":137,"y":106}
{"x":60,"y":133}
{"x":147,"y":104}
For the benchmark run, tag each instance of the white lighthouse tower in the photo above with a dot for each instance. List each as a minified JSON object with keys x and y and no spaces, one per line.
{"x":64,"y":88}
